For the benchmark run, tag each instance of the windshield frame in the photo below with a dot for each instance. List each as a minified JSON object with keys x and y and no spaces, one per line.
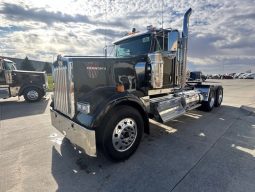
{"x":9,"y":65}
{"x":137,"y":40}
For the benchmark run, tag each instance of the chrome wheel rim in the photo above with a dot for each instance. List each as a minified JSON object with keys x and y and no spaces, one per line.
{"x":32,"y":95}
{"x":124,"y":134}
{"x":220,"y":97}
{"x":212,"y":102}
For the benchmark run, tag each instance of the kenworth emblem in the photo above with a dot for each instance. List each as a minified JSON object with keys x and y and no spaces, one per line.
{"x":93,"y":70}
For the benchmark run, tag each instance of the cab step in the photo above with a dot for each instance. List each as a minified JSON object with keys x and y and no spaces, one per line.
{"x":167,"y":108}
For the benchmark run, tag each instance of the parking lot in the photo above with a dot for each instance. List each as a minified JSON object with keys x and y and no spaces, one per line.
{"x":197,"y":152}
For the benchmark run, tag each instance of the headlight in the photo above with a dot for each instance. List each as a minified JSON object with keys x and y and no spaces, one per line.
{"x":83,"y":107}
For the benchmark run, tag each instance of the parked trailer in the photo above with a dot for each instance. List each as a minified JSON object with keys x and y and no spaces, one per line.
{"x":105,"y":102}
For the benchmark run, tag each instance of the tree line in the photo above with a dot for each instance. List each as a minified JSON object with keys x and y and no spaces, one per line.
{"x":28,"y":66}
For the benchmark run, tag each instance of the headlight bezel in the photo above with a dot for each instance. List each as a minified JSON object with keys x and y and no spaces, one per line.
{"x":83,"y":107}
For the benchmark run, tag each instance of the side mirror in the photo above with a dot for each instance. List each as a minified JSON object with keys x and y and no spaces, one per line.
{"x":173,"y":37}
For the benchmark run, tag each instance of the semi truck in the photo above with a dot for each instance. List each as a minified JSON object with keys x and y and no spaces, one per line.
{"x":196,"y":76}
{"x":104,"y":103}
{"x":13,"y":82}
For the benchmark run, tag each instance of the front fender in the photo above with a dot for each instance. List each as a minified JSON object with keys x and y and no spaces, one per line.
{"x":24,"y":87}
{"x":95,"y":119}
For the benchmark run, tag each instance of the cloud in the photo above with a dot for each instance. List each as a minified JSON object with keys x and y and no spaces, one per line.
{"x":15,"y":12}
{"x":222,"y":33}
{"x":108,"y":32}
{"x":245,"y":16}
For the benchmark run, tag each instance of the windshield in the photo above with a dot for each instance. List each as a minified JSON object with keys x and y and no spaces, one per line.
{"x":135,"y":46}
{"x":9,"y":65}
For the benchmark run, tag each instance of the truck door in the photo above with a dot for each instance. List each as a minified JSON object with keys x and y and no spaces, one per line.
{"x":4,"y":88}
{"x":8,"y":67}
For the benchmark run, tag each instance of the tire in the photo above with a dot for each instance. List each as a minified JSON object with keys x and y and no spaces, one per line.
{"x":120,"y":133}
{"x":219,"y":97}
{"x":66,"y":141}
{"x":209,"y":105}
{"x":33,"y":94}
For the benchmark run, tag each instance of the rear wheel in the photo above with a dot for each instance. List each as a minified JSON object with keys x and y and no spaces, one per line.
{"x":208,"y":105}
{"x":121,"y":133}
{"x":219,"y":97}
{"x":33,"y":94}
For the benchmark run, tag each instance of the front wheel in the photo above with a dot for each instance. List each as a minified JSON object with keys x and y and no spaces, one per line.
{"x":121,"y":133}
{"x":33,"y":94}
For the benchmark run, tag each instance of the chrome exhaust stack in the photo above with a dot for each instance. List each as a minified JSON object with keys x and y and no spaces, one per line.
{"x":185,"y":33}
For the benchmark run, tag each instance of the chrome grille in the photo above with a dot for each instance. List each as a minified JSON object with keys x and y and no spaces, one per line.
{"x":63,"y":89}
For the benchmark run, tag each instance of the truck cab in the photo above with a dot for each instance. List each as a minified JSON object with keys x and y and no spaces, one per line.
{"x":153,"y":44}
{"x":13,"y":82}
{"x":105,"y":102}
{"x":196,"y":76}
{"x":5,"y":67}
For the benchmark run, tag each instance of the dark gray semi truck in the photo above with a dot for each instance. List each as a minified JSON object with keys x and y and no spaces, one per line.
{"x":13,"y":82}
{"x":104,"y":103}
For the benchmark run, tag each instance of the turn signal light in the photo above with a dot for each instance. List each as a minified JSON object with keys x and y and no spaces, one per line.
{"x":120,"y":88}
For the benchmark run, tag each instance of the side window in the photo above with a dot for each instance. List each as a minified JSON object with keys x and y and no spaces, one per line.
{"x":5,"y":66}
{"x":9,"y":66}
{"x":159,"y":43}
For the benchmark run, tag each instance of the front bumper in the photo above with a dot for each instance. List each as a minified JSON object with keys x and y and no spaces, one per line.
{"x":77,"y":134}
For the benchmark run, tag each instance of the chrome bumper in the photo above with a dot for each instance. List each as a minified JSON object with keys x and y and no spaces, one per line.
{"x":78,"y":135}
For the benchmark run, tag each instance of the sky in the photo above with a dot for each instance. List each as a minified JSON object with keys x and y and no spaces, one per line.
{"x":221,"y":40}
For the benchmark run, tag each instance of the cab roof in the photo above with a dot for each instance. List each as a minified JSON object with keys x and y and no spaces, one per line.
{"x":137,"y":34}
{"x":4,"y":59}
{"x":131,"y":36}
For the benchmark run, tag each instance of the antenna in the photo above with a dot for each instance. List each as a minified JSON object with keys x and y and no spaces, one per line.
{"x":105,"y":46}
{"x":162,"y":23}
{"x":162,"y":14}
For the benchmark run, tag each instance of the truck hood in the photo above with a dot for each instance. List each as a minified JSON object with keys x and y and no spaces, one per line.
{"x":29,"y":77}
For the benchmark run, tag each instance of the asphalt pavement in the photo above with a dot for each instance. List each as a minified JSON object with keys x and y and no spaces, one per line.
{"x":199,"y":151}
